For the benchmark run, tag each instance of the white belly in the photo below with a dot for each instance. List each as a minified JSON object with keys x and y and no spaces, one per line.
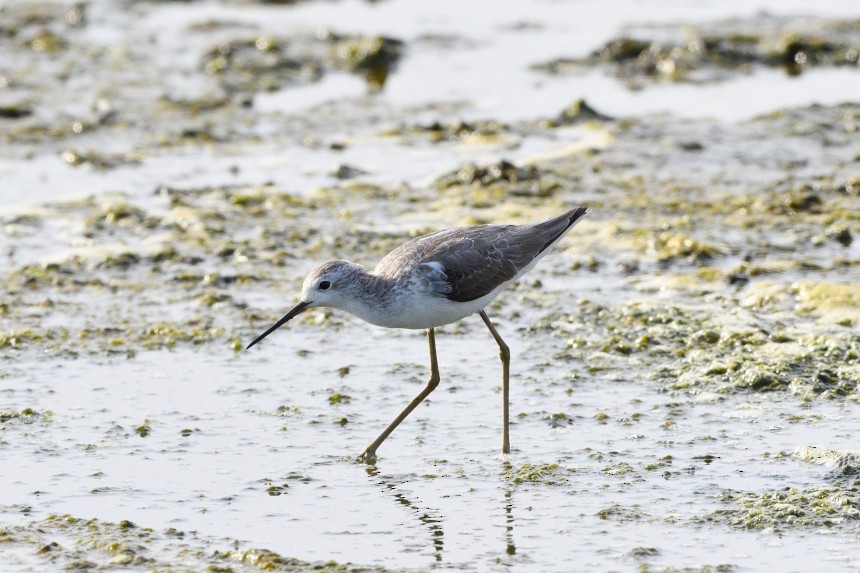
{"x":420,"y":311}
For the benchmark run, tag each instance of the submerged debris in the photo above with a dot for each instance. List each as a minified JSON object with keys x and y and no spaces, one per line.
{"x":481,"y":186}
{"x":578,"y":112}
{"x":268,"y":63}
{"x":476,"y":132}
{"x":715,"y":51}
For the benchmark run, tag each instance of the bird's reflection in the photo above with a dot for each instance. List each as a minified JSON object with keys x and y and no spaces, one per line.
{"x":510,"y":548}
{"x":432,"y":520}
{"x":429,"y":518}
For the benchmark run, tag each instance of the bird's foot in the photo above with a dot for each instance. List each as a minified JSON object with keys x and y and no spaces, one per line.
{"x":366,"y":457}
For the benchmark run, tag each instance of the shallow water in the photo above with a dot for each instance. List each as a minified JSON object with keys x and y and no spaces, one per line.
{"x":668,"y":360}
{"x":439,"y":495}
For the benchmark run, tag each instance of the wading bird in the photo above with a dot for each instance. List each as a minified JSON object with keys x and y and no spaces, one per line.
{"x":433,"y":280}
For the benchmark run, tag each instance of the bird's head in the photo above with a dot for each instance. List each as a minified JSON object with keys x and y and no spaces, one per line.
{"x":324,"y":286}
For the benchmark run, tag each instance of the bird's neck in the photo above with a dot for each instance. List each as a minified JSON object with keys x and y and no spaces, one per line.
{"x":363,"y":281}
{"x":369,"y":296}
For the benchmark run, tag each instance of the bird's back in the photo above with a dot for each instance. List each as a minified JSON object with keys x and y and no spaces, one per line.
{"x":477,"y":260}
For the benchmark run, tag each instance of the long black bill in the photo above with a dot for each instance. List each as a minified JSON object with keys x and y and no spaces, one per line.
{"x":296,"y":310}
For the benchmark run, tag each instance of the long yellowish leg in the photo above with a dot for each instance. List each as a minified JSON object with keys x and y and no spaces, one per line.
{"x":505,"y":355}
{"x":369,"y":454}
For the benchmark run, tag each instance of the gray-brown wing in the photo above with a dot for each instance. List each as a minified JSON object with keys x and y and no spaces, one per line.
{"x":498,"y":253}
{"x":478,"y":259}
{"x":472,"y":260}
{"x":476,"y":262}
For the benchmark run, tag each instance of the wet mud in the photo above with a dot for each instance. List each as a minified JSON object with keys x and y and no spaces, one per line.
{"x":715,"y":51}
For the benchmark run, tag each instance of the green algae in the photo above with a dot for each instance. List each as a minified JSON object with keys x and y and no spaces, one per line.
{"x":558,"y":420}
{"x":719,"y":568}
{"x":48,"y":42}
{"x":835,"y":302}
{"x":822,"y":507}
{"x":336,"y":398}
{"x":197,"y":234}
{"x":691,"y":351}
{"x":257,"y":64}
{"x":276,"y":490}
{"x":668,"y":246}
{"x":618,"y":512}
{"x":168,"y":335}
{"x":545,"y":474}
{"x":790,"y":508}
{"x":129,"y":266}
{"x":265,"y":560}
{"x":98,"y":160}
{"x":107,"y":340}
{"x":661,"y":463}
{"x":22,"y":338}
{"x":284,"y":410}
{"x":72,"y":543}
{"x":115,"y":213}
{"x":619,"y":469}
{"x":25,"y":416}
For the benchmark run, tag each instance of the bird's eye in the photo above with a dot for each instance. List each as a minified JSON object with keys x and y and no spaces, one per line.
{"x":324,"y":285}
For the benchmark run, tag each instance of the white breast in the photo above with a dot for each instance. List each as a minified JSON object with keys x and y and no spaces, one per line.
{"x":412,"y":308}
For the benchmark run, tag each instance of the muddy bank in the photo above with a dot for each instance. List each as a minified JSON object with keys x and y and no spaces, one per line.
{"x":718,"y":50}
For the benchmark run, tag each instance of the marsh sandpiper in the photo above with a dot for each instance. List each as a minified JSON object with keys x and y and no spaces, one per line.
{"x":433,"y":280}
